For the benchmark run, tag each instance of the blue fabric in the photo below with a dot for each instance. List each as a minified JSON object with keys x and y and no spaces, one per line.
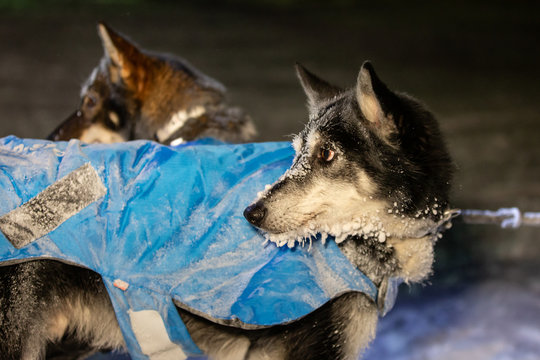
{"x":171,"y":226}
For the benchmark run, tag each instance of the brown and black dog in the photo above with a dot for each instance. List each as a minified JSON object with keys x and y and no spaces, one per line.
{"x":135,"y":94}
{"x":53,"y":310}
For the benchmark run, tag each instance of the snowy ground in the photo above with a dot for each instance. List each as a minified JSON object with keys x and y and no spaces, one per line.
{"x":498,"y":319}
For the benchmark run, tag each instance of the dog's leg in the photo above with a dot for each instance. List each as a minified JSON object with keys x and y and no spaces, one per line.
{"x":23,"y":310}
{"x":84,"y":317}
{"x":45,"y":304}
{"x":359,"y":317}
{"x":339,"y":330}
{"x":219,"y":342}
{"x":228,"y":343}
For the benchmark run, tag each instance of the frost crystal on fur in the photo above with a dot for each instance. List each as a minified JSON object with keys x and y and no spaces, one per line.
{"x":374,"y":221}
{"x":365,"y":226}
{"x":301,"y":166}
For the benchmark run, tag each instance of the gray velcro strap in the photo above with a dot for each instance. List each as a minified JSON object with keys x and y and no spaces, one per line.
{"x":51,"y":207}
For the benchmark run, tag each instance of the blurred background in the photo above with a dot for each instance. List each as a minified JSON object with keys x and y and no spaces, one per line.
{"x":475,"y":64}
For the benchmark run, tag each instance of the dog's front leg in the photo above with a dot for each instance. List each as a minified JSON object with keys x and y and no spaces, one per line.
{"x":217,"y":341}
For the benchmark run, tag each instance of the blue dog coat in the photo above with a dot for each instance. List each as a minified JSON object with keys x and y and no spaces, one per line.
{"x":164,"y":226}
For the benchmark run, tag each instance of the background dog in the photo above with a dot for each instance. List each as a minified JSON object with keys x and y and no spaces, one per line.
{"x":135,"y":94}
{"x":52,"y":309}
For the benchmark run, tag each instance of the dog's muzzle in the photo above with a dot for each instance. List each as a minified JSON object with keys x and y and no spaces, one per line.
{"x":70,"y":128}
{"x":255,"y":213}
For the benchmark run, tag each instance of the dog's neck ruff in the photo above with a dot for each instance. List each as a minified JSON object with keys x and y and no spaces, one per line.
{"x":164,"y":226}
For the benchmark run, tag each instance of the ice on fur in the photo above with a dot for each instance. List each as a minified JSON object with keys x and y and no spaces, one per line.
{"x":358,"y":168}
{"x":378,"y":222}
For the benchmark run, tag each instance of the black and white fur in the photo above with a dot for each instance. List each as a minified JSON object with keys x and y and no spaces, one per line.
{"x":366,"y":153}
{"x":372,"y":170}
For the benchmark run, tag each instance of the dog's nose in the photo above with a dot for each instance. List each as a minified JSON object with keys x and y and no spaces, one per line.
{"x":255,"y":213}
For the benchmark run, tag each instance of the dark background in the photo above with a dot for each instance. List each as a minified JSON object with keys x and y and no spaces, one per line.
{"x":475,"y":64}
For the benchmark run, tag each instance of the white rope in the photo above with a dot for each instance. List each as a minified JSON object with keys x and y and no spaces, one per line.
{"x":504,"y":217}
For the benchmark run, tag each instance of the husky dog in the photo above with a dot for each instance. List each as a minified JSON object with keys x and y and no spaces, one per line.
{"x":135,"y":94}
{"x":371,"y":169}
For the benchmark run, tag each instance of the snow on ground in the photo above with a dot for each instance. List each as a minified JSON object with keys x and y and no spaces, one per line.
{"x":497,"y":319}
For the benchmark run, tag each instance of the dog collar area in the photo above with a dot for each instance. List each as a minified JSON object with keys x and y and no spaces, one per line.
{"x":164,"y":225}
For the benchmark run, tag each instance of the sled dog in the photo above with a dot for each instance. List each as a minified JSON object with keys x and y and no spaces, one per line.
{"x":136,"y":94}
{"x":372,"y":171}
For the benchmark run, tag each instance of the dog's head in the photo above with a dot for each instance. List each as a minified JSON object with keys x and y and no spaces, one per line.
{"x":133,"y":94}
{"x":370,"y":162}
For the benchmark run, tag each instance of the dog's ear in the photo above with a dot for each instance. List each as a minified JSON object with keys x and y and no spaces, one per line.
{"x":374,"y":99}
{"x":125,"y":61}
{"x":316,"y":89}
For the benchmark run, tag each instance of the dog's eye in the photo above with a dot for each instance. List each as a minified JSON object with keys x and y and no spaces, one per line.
{"x":327,"y":154}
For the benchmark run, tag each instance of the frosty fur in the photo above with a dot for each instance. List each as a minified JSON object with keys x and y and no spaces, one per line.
{"x":371,"y":170}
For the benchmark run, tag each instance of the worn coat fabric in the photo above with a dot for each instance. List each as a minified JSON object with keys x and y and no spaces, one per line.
{"x":162,"y":224}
